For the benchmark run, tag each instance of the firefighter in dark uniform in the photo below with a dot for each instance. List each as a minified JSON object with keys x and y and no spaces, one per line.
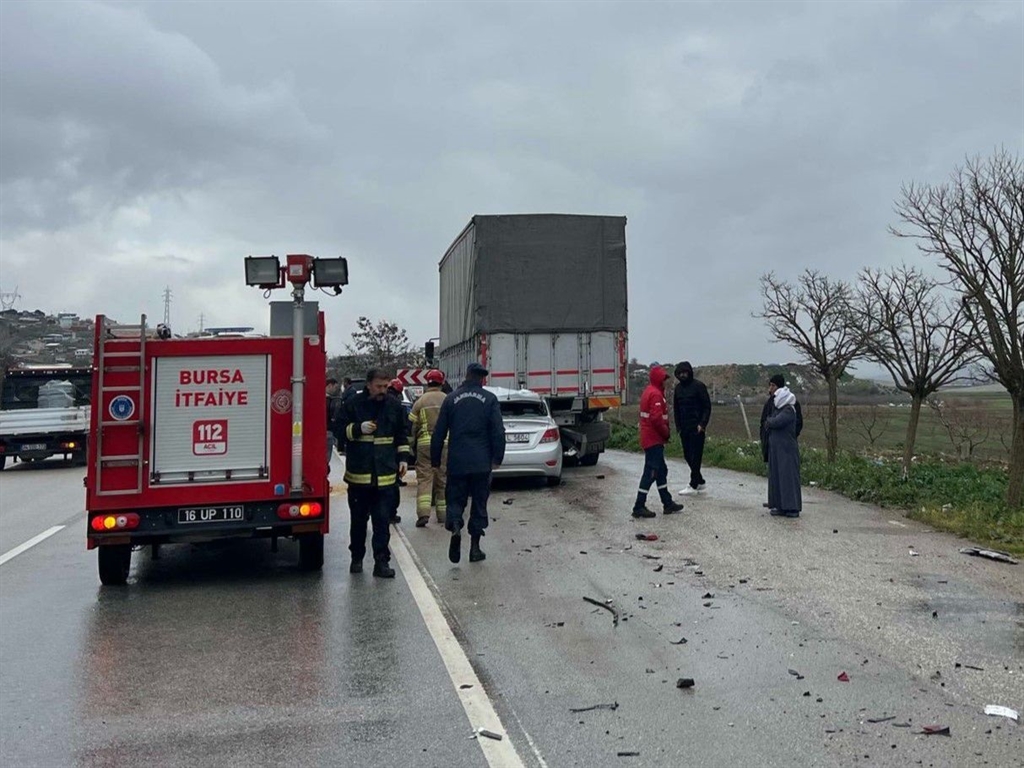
{"x":376,"y":431}
{"x":470,"y":420}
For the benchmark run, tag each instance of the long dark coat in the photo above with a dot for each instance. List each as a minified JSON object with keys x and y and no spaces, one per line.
{"x":783,"y":461}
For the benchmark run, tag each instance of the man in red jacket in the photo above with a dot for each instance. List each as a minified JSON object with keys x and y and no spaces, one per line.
{"x":654,"y":434}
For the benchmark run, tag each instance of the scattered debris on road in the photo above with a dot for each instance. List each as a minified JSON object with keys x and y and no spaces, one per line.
{"x":991,"y":554}
{"x":970,"y":666}
{"x":796,"y":674}
{"x":707,"y":596}
{"x":881,"y":719}
{"x":508,"y":502}
{"x":489,"y":734}
{"x":684,"y":682}
{"x":935,"y":730}
{"x":647,"y":537}
{"x":465,"y":687}
{"x":607,"y":607}
{"x":843,"y":677}
{"x":628,"y":754}
{"x":680,"y":641}
{"x":613,"y":706}
{"x":998,"y":711}
{"x":913,"y":553}
{"x":659,"y":569}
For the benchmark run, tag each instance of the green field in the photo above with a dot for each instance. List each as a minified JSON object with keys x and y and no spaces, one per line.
{"x":946,"y":490}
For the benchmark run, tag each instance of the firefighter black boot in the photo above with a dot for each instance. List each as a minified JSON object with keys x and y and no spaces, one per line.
{"x":475,"y":553}
{"x":383,"y":570}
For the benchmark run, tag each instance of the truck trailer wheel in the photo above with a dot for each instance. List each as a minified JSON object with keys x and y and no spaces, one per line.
{"x":590,"y":460}
{"x":311,"y":551}
{"x":115,"y":561}
{"x":3,"y":460}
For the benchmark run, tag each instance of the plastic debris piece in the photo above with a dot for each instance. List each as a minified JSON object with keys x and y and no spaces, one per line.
{"x":991,"y":554}
{"x":599,"y":604}
{"x":843,"y":677}
{"x":680,"y":641}
{"x":659,"y":569}
{"x":627,"y":754}
{"x":684,"y":682}
{"x":613,"y":706}
{"x":913,"y":553}
{"x":465,"y":686}
{"x":901,"y":725}
{"x":970,"y":666}
{"x":647,"y":537}
{"x":707,"y":605}
{"x":881,"y":719}
{"x":998,"y":711}
{"x":935,"y":730}
{"x":508,"y":502}
{"x":796,"y":674}
{"x":489,"y":734}
{"x":707,"y":596}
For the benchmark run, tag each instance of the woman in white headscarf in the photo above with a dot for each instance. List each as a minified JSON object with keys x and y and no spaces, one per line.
{"x":784,"y":496}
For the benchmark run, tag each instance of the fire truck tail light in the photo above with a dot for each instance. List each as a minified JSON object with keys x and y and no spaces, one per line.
{"x":126,"y":521}
{"x":300,"y":510}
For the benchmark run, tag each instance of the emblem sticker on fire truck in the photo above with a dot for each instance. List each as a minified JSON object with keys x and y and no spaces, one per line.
{"x":122,"y":408}
{"x":210,"y":418}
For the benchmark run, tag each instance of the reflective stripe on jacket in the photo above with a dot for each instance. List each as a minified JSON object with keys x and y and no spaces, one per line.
{"x":373,"y":459}
{"x":423,"y":416}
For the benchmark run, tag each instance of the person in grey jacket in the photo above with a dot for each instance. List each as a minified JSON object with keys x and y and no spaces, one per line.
{"x":470,"y":420}
{"x":784,"y":496}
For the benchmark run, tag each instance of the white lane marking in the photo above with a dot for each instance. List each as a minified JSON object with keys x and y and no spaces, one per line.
{"x":478,"y":707}
{"x":30,"y":543}
{"x":894,"y":522}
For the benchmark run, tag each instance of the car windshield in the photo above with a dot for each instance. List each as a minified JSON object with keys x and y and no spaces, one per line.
{"x":523,"y":409}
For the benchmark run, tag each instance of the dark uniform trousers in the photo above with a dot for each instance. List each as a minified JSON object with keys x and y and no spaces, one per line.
{"x":459,"y":490}
{"x":366,"y":503}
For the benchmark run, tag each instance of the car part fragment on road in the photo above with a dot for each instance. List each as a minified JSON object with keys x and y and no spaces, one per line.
{"x":796,"y":674}
{"x":607,"y":607}
{"x":628,"y":754}
{"x":998,"y":711}
{"x":935,"y":730}
{"x":991,"y":554}
{"x":613,"y":706}
{"x":659,"y":569}
{"x":881,"y":719}
{"x":843,"y":677}
{"x":681,"y":641}
{"x":684,"y":682}
{"x":969,"y":666}
{"x":647,"y":537}
{"x":489,"y":734}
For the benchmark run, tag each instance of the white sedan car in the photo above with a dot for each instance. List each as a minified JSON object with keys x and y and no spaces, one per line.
{"x":533,"y":445}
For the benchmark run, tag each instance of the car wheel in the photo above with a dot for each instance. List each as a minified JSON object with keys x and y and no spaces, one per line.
{"x":553,"y":482}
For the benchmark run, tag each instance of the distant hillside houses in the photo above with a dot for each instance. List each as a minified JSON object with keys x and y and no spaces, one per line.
{"x":36,"y":338}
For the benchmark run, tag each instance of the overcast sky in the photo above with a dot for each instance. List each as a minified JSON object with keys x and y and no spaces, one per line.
{"x":145,"y":145}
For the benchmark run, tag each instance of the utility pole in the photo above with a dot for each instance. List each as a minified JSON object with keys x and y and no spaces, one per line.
{"x":167,"y":306}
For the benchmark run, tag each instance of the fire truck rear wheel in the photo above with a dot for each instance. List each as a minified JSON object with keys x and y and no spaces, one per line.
{"x":115,"y":561}
{"x":311,"y":552}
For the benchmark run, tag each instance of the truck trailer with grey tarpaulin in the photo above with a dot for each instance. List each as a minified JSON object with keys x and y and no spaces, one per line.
{"x":540,"y":301}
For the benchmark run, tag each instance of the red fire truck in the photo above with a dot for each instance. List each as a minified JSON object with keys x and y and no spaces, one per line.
{"x":197,"y":439}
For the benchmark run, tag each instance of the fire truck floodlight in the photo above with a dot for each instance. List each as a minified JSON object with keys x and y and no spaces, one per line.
{"x":330,"y":273}
{"x":263,"y":271}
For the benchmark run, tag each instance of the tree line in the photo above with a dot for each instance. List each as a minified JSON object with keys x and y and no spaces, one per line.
{"x":925,"y":332}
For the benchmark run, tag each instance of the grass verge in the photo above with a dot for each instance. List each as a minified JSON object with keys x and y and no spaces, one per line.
{"x":961,"y":498}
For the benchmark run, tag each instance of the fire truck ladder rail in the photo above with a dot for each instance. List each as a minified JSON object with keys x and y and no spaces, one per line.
{"x":106,"y":335}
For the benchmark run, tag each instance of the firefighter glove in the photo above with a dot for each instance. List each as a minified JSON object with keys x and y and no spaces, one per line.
{"x":368,"y":427}
{"x":402,"y":468}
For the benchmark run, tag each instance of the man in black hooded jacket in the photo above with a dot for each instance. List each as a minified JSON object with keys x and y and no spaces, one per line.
{"x":692,"y":408}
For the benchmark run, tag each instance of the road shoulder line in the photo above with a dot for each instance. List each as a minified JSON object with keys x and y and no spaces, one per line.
{"x":476,"y":703}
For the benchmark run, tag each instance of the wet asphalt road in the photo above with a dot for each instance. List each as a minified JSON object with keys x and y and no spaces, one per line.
{"x":228,"y":655}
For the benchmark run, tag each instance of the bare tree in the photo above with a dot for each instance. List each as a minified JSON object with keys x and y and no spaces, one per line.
{"x":380,"y":345}
{"x":870,"y":422}
{"x":919,"y":336}
{"x":974,"y":225}
{"x":967,"y":426}
{"x":813,"y":318}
